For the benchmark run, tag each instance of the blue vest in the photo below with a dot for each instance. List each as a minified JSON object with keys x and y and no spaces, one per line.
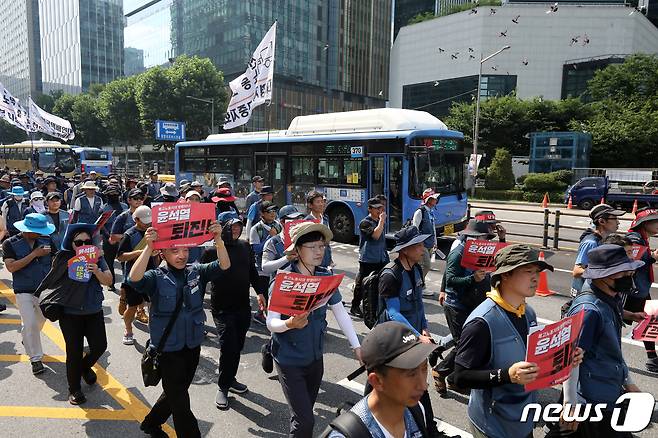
{"x":372,"y":250}
{"x":14,"y":214}
{"x":497,"y":411}
{"x":603,"y":370}
{"x":301,"y":347}
{"x":427,"y":227}
{"x":93,"y":302}
{"x":411,"y":298}
{"x":135,"y":237}
{"x":128,"y":223}
{"x":578,"y":282}
{"x":58,"y":236}
{"x":188,"y":330}
{"x":28,"y":278}
{"x":363,"y":411}
{"x":87,"y":213}
{"x":263,"y":236}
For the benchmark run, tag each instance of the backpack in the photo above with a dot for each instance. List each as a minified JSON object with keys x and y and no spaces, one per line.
{"x":351,"y":426}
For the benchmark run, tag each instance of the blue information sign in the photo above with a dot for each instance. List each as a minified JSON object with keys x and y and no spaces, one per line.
{"x":169,"y":131}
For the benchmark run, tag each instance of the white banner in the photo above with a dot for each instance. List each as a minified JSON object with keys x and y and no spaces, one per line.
{"x":41,"y":121}
{"x":12,"y":111}
{"x":254,"y":86}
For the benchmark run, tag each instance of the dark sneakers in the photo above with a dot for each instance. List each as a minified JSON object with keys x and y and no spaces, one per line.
{"x":37,"y":367}
{"x":266,"y":359}
{"x":77,"y":398}
{"x":440,"y":384}
{"x":652,"y":365}
{"x":153,"y":431}
{"x":356,"y":312}
{"x":238,"y":388}
{"x":89,"y":376}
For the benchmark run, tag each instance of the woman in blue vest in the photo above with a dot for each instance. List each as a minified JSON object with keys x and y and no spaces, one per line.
{"x":298,"y":341}
{"x":86,"y":322}
{"x":27,"y":256}
{"x":492,"y":348}
{"x":167,"y":286}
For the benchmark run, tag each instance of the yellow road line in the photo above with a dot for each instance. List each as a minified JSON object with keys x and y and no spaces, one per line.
{"x":65,"y":413}
{"x":26,"y":358}
{"x":135,"y":408}
{"x":10,"y":321}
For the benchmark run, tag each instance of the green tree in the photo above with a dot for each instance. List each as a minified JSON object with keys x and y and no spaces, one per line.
{"x":499,"y":174}
{"x":153,"y":98}
{"x":118,"y":110}
{"x":47,"y":101}
{"x":87,"y":122}
{"x":11,"y":134}
{"x":64,"y":107}
{"x":423,"y":16}
{"x":635,"y":79}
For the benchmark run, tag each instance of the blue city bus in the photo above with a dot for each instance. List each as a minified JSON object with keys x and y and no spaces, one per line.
{"x":93,"y":159}
{"x":349,"y":156}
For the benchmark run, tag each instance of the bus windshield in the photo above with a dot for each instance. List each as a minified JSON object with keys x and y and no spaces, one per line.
{"x":49,"y":158}
{"x":440,"y":171}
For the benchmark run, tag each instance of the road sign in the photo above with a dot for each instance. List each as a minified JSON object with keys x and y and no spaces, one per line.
{"x":169,"y":131}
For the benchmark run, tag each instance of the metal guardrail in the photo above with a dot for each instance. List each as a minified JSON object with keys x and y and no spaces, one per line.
{"x":545,"y":225}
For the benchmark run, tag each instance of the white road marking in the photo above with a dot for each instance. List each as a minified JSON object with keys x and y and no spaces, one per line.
{"x":448,"y":429}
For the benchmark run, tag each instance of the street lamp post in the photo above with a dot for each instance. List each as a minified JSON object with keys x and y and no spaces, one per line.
{"x":211,"y":101}
{"x":477,"y":115}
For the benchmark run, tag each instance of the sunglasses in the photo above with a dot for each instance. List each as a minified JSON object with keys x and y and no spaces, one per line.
{"x":80,"y":242}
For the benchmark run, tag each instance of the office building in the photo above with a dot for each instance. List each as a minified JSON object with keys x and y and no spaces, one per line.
{"x":331,"y":55}
{"x":552,"y":55}
{"x":133,"y":61}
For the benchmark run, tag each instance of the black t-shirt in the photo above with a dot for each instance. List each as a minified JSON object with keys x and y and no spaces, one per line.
{"x":55,"y":218}
{"x":126,"y":246}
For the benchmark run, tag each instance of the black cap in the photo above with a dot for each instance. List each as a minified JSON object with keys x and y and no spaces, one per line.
{"x":395,"y":345}
{"x":267,"y":190}
{"x":268,"y":206}
{"x":135,"y":193}
{"x":257,"y":178}
{"x":603,"y":211}
{"x":51,"y":195}
{"x":375,"y":203}
{"x":312,"y":195}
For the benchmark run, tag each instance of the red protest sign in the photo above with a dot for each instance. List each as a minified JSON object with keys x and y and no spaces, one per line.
{"x":552,"y":348}
{"x":77,"y":266}
{"x":479,"y":254}
{"x":647,"y":329}
{"x":294,"y":294}
{"x":638,"y":251}
{"x":90,"y":253}
{"x":288,"y":225}
{"x":182,"y":224}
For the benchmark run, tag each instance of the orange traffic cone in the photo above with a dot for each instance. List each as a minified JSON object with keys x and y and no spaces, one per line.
{"x":542,"y":287}
{"x":570,"y":204}
{"x":544,"y":203}
{"x":634,"y":207}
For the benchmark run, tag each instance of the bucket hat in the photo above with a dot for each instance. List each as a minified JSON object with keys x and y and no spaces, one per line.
{"x":223,"y":195}
{"x":304,"y":228}
{"x":74,"y":229}
{"x":408,"y":236}
{"x":430,"y":194}
{"x":514,"y":256}
{"x":486,"y":216}
{"x":89,"y":185}
{"x":35,"y":223}
{"x":643,"y":215}
{"x":169,"y":189}
{"x":606,"y":260}
{"x":17,"y":191}
{"x":476,"y":228}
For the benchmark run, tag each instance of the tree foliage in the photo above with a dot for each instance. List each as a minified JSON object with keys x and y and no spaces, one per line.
{"x":118,"y":109}
{"x":500,"y":175}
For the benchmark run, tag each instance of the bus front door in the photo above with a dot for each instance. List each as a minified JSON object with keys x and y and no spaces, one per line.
{"x":273,"y":169}
{"x":386,"y":177}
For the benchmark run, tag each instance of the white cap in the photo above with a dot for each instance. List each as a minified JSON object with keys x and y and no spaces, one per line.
{"x":36,"y":195}
{"x":192,"y":193}
{"x":143,"y":213}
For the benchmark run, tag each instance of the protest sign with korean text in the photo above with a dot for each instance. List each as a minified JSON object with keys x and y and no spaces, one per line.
{"x":479,"y":254}
{"x":102,"y":220}
{"x":288,"y":225}
{"x":552,"y":348}
{"x":647,"y":329}
{"x":77,"y":266}
{"x":182,"y":224}
{"x":294,"y":294}
{"x":638,"y":251}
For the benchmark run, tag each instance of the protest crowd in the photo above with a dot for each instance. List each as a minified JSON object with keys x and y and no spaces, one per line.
{"x":64,"y":241}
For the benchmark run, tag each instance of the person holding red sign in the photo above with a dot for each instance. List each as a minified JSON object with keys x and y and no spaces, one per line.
{"x":169,"y":287}
{"x":603,"y":375}
{"x":643,"y":227}
{"x":274,"y":251}
{"x":298,"y":341}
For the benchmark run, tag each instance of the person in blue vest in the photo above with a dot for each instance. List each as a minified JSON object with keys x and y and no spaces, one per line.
{"x":87,"y":207}
{"x":401,"y":296}
{"x":643,"y":227}
{"x":274,"y":251}
{"x":113,"y":196}
{"x":153,"y":186}
{"x":373,"y":255}
{"x":13,"y":210}
{"x":37,"y":203}
{"x":165,"y":286}
{"x":605,"y":221}
{"x":121,"y":224}
{"x":317,"y":204}
{"x":423,"y":219}
{"x":603,"y":375}
{"x":56,"y":216}
{"x":298,"y":341}
{"x":253,"y":214}
{"x":27,"y":257}
{"x":492,"y":348}
{"x":257,"y":182}
{"x":260,"y":233}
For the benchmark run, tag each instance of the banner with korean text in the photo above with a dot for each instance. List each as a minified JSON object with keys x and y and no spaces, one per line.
{"x":647,"y":329}
{"x":77,"y":266}
{"x":182,"y":224}
{"x":294,"y":294}
{"x":552,"y":348}
{"x":479,"y":254}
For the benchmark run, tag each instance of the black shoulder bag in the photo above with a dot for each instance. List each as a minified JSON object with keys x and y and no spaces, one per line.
{"x":151,"y":357}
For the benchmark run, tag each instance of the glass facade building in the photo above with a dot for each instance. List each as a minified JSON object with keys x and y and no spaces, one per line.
{"x":576,"y":74}
{"x":550,"y":151}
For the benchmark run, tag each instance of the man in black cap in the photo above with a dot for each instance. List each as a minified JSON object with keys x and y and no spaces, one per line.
{"x":603,"y":375}
{"x":605,"y":221}
{"x":373,"y":255}
{"x":258,"y":182}
{"x":154,"y":186}
{"x":396,"y":362}
{"x":253,"y":215}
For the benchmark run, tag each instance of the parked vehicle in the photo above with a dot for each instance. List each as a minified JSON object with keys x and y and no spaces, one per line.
{"x":589,"y":191}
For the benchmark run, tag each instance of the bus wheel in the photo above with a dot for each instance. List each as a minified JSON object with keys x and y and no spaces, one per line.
{"x":586,"y":204}
{"x":341,"y":223}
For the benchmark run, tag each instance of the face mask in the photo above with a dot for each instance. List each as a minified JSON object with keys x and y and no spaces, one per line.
{"x":623,"y":284}
{"x":18,"y":198}
{"x":38,"y":206}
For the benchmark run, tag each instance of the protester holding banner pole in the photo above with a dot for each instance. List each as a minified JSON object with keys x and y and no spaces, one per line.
{"x":492,"y":348}
{"x":298,"y":341}
{"x":168,"y":287}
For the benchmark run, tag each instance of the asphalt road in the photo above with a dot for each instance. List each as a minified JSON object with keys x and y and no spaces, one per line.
{"x":38,"y":404}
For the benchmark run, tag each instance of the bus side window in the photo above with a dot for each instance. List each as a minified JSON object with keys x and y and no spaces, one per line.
{"x":302,"y":170}
{"x":328,"y":171}
{"x":353,"y":171}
